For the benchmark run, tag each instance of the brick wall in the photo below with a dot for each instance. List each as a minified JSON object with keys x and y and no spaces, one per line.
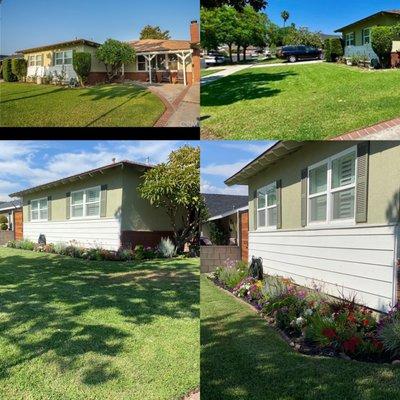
{"x":212,"y":257}
{"x":6,"y":236}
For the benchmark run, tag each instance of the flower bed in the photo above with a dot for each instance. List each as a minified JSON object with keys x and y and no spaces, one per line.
{"x":315,"y":323}
{"x":165,"y":249}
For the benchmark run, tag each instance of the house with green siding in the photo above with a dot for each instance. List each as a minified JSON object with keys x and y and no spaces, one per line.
{"x":327,"y":213}
{"x":357,"y":35}
{"x":97,"y":208}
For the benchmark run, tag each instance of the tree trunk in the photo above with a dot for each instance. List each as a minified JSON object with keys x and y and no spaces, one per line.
{"x":230,"y":53}
{"x":244,"y":53}
{"x":238,"y":54}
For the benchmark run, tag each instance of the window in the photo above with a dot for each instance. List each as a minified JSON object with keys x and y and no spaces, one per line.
{"x":141,"y":63}
{"x":39,"y":210}
{"x":331,"y":188}
{"x":161,"y":62}
{"x":172,"y":62}
{"x":35,"y":61}
{"x":85,"y":203}
{"x":366,"y":35}
{"x":63,"y":57}
{"x":350,"y":39}
{"x":266,"y":206}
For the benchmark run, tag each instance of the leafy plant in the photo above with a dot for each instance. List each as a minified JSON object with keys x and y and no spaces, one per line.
{"x":8,"y":75}
{"x":154,"y":32}
{"x":3,"y":222}
{"x":381,"y":40}
{"x":166,"y":248}
{"x":82,"y":63}
{"x":232,"y":273}
{"x":19,"y":68}
{"x":218,"y":235}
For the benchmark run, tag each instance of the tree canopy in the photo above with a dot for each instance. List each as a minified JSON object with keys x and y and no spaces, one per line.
{"x":303,"y":36}
{"x":239,"y":5}
{"x":285,"y":16}
{"x":154,"y":32}
{"x":175,"y":187}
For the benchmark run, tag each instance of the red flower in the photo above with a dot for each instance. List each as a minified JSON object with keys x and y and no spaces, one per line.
{"x":351,"y":344}
{"x":329,"y":333}
{"x":365,"y":322}
{"x":351,"y":318}
{"x":377,"y":344}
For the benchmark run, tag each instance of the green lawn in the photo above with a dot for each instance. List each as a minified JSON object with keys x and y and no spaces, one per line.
{"x":304,"y":102}
{"x":74,"y":329}
{"x":206,"y":72}
{"x":243,"y":358}
{"x":24,"y":104}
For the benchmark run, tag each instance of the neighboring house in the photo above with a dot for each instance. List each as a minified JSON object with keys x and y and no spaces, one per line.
{"x":357,"y":35}
{"x":180,"y":57}
{"x":8,"y":209}
{"x":12,"y":210}
{"x":328,"y":213}
{"x":97,"y":208}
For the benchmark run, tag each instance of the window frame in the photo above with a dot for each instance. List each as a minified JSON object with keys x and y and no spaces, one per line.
{"x":39,"y":209}
{"x":63,"y":58}
{"x":329,"y":192}
{"x":85,"y":203}
{"x":353,"y":39}
{"x":33,"y":60}
{"x":266,"y":227}
{"x":369,"y":35}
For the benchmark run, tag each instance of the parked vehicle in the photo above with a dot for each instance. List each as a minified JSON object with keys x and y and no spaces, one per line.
{"x":214,"y":58}
{"x":296,"y":53}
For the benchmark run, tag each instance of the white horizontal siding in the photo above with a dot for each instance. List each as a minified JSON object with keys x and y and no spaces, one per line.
{"x":103,"y":232}
{"x":340,"y":260}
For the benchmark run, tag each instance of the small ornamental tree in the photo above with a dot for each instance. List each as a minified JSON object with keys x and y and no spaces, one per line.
{"x":3,"y":223}
{"x":8,"y":76}
{"x":336,"y":48}
{"x":381,"y":39}
{"x":19,"y":68}
{"x":174,"y":186}
{"x":113,"y":54}
{"x":302,"y":36}
{"x":82,"y":63}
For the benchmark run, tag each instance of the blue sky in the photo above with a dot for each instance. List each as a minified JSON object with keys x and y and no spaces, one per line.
{"x":326,"y":15}
{"x":29,"y":163}
{"x":30,"y":23}
{"x":222,"y":159}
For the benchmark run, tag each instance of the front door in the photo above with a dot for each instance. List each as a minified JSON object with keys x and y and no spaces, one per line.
{"x":18,"y":225}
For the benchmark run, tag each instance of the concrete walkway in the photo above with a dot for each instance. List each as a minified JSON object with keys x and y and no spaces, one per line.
{"x":388,"y":130}
{"x":231,"y":69}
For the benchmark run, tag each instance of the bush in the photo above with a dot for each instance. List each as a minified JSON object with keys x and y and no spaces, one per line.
{"x":166,"y":248}
{"x":19,"y":68}
{"x":8,"y":75}
{"x":336,"y":49}
{"x":25,"y":244}
{"x":381,"y":39}
{"x":82,"y":63}
{"x":327,"y":50}
{"x":389,"y":331}
{"x":232,"y":273}
{"x":3,"y":223}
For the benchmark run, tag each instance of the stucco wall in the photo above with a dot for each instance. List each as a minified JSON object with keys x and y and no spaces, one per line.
{"x":384,"y":180}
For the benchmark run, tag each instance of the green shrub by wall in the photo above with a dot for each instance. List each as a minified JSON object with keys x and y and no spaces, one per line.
{"x":19,"y":68}
{"x":82,"y":64}
{"x":8,"y":76}
{"x":327,"y":50}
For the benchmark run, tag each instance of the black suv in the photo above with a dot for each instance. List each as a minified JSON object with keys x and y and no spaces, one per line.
{"x":296,"y":53}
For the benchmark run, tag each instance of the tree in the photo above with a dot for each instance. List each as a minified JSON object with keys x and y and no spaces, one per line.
{"x":381,"y":40}
{"x":154,"y":32}
{"x":336,"y":47}
{"x":8,"y":76}
{"x":113,"y":54}
{"x":3,"y":223}
{"x":209,"y":30}
{"x":303,"y":36}
{"x":19,"y":68}
{"x":285,"y":16}
{"x":82,"y":63}
{"x":227,"y":21}
{"x":174,"y":186}
{"x":239,"y":5}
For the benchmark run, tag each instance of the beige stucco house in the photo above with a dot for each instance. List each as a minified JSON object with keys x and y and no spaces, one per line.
{"x":328,"y":213}
{"x":97,"y":208}
{"x":153,"y":57}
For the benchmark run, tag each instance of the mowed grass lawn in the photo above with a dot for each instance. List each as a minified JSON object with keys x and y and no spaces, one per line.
{"x":74,"y":329}
{"x":304,"y":102}
{"x":243,"y":358}
{"x":116,"y":105}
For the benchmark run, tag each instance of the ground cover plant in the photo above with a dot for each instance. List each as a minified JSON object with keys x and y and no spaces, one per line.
{"x":317,"y":323}
{"x":303,"y":102}
{"x":243,"y":358}
{"x":120,"y":105}
{"x":97,"y":330}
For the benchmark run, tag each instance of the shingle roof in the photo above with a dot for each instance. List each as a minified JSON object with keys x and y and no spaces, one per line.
{"x":390,"y":12}
{"x":8,"y":205}
{"x":149,"y":45}
{"x":218,"y":204}
{"x":60,"y":44}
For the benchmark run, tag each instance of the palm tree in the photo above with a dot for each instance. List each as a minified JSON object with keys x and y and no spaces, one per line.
{"x":285,"y":16}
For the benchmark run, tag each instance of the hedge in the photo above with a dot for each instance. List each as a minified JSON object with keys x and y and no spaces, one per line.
{"x":8,"y":75}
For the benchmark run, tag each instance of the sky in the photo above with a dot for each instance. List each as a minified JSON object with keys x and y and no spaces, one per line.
{"x":222,"y":159}
{"x":326,"y":15}
{"x":25,"y":164}
{"x":31,"y":23}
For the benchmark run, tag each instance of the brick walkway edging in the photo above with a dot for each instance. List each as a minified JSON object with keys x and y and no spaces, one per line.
{"x":360,"y":133}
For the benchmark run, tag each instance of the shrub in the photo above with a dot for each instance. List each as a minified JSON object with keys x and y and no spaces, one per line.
{"x":336,"y":49}
{"x":60,"y":248}
{"x":327,"y":49}
{"x":389,"y":330}
{"x":232,"y":273}
{"x":82,"y":63}
{"x":25,"y":244}
{"x":139,"y":252}
{"x":381,"y":40}
{"x":8,"y":76}
{"x":125,"y":255}
{"x":3,"y":223}
{"x":19,"y":68}
{"x":166,"y":248}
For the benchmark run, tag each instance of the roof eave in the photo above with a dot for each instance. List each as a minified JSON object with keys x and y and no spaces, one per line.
{"x":364,"y":20}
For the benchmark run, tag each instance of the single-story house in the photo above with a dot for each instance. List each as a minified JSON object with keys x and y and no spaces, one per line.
{"x":153,"y":57}
{"x":327,"y":213}
{"x":97,"y":208}
{"x":357,"y":35}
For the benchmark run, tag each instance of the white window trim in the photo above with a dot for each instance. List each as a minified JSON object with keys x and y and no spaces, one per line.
{"x":33,"y":59}
{"x":329,"y":191}
{"x":47,"y":208}
{"x":363,"y":35}
{"x":179,"y":64}
{"x":266,"y":208}
{"x":84,"y":204}
{"x":347,"y":38}
{"x":63,"y":57}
